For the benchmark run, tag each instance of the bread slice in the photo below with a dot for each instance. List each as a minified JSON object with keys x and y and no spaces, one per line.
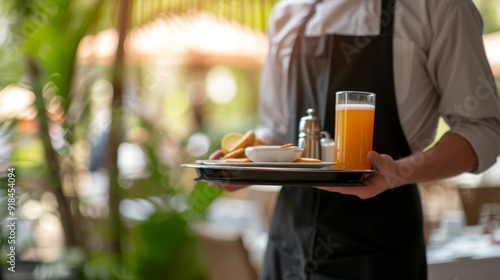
{"x":247,"y":140}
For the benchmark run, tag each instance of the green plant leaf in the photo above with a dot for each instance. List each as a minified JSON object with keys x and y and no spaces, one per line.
{"x":163,"y":247}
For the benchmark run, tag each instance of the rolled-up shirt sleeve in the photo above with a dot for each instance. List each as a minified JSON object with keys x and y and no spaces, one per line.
{"x":457,"y":63}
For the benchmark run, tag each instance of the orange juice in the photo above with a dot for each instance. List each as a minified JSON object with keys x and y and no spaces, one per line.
{"x":353,"y":135}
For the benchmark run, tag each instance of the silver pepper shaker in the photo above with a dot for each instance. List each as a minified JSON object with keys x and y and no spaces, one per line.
{"x":310,"y":135}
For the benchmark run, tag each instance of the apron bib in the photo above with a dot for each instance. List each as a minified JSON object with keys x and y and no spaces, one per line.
{"x":317,"y":234}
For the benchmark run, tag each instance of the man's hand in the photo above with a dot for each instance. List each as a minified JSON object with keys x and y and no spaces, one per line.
{"x":384,"y":178}
{"x":227,"y":187}
{"x":452,"y":155}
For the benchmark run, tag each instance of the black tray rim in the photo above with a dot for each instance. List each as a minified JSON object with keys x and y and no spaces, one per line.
{"x":325,"y":176}
{"x":271,"y":169}
{"x":284,"y":184}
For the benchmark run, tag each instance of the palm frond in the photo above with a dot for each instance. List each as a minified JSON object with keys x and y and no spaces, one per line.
{"x":252,"y":13}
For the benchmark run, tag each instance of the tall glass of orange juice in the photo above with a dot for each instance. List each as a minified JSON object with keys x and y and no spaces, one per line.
{"x":354,"y":119}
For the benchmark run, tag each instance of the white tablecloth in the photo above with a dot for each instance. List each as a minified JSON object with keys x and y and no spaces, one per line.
{"x":464,"y":258}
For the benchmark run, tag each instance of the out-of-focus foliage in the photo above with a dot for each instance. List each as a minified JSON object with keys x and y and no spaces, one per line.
{"x":490,"y":11}
{"x":59,"y":149}
{"x":252,"y":13}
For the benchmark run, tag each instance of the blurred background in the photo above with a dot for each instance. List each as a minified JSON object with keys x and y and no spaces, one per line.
{"x":101,"y":101}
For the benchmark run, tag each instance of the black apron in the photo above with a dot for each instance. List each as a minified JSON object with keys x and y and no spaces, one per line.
{"x":317,"y":234}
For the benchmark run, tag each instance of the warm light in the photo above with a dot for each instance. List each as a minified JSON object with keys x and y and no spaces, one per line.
{"x":492,"y":48}
{"x":15,"y":102}
{"x":136,"y":209}
{"x":198,"y":144}
{"x":48,"y":238}
{"x":102,"y":45}
{"x":193,"y":38}
{"x":131,"y":160}
{"x":221,"y":86}
{"x":32,"y":209}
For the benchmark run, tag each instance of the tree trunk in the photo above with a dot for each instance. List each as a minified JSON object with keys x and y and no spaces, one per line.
{"x":116,"y":132}
{"x":53,"y":163}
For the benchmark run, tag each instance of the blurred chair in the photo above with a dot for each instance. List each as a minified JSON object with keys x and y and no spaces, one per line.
{"x":479,"y":201}
{"x":227,"y":256}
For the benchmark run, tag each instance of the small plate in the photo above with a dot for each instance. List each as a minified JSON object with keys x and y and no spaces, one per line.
{"x":218,"y":162}
{"x":272,"y":153}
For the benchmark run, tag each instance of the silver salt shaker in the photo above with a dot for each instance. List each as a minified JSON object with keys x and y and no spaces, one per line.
{"x":310,"y":135}
{"x":327,"y":147}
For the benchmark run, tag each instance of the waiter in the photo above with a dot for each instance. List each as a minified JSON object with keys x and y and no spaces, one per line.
{"x":424,"y":59}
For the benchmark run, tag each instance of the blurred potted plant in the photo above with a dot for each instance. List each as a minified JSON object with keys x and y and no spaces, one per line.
{"x":40,"y":56}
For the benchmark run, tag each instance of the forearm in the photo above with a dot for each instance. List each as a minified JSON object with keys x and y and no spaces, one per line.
{"x":451,"y":156}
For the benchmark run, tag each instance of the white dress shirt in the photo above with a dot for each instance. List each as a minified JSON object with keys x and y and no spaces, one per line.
{"x":440,"y":67}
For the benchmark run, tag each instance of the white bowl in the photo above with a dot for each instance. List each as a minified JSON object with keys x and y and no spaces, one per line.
{"x":272,"y":153}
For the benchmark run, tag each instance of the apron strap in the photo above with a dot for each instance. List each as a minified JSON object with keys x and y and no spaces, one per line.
{"x":294,"y":102}
{"x":302,"y":29}
{"x":387,"y":13}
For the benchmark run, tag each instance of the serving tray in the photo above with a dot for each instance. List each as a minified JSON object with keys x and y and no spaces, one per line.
{"x":277,"y":175}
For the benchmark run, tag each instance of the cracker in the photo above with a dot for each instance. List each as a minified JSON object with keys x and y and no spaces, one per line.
{"x":287,"y":145}
{"x":238,"y":153}
{"x":307,"y":160}
{"x":246,"y":140}
{"x":237,"y":160}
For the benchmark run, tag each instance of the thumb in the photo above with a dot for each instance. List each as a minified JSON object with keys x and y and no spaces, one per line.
{"x":378,"y":161}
